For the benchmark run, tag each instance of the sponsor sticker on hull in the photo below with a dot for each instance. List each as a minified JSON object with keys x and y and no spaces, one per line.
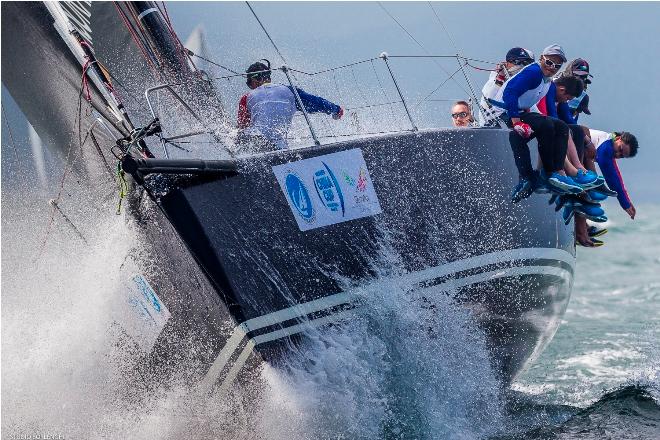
{"x":142,"y":315}
{"x":329,"y":189}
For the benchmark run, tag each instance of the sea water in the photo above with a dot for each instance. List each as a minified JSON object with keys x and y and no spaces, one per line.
{"x":398,"y":370}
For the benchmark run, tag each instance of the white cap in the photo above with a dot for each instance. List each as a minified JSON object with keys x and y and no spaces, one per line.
{"x":554,"y":49}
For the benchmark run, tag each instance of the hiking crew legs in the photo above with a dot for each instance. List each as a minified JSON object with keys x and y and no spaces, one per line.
{"x":521,"y":155}
{"x":552,"y":136}
{"x":578,"y":139}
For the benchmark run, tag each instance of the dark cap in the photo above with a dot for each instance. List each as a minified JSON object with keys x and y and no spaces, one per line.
{"x":262,"y":69}
{"x":583,"y":107}
{"x":519,"y":54}
{"x":580,"y":67}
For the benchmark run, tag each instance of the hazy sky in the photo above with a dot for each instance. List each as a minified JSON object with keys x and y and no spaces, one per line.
{"x":620,"y":41}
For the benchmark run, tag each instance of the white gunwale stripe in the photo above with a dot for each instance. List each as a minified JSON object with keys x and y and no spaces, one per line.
{"x":335,"y":317}
{"x":411,"y":279}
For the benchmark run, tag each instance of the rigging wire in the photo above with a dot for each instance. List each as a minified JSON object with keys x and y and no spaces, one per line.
{"x":387,"y":98}
{"x":266,"y":32}
{"x":437,"y":88}
{"x":467,"y":79}
{"x":451,"y":40}
{"x":420,"y":45}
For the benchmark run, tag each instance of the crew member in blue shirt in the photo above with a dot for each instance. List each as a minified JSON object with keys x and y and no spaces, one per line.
{"x":516,"y":97}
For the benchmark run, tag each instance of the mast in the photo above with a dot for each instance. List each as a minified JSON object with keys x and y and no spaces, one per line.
{"x":165,"y":45}
{"x":166,"y":51}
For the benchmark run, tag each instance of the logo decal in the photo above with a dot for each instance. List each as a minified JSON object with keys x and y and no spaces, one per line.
{"x":299,"y":196}
{"x":328,"y":189}
{"x":362,"y":180}
{"x":341,"y":181}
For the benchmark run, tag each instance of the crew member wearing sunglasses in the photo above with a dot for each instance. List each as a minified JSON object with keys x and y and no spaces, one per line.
{"x":461,"y":115}
{"x":516,"y":97}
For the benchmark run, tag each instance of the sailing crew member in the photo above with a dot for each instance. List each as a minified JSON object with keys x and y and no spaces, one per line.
{"x":515,"y":99}
{"x":516,"y":59}
{"x":604,"y":148}
{"x":580,"y":68}
{"x":555,"y":102}
{"x":461,"y":115}
{"x":267,"y":110}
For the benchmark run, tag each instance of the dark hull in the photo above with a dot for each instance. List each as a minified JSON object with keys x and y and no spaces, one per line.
{"x":446,"y":225}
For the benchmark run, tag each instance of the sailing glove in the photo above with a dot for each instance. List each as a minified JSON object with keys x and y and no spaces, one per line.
{"x":339,"y":114}
{"x":524,"y":130}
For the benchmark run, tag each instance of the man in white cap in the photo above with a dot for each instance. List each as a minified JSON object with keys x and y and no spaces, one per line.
{"x":515,"y":99}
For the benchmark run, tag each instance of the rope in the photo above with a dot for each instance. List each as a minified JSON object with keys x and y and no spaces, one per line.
{"x":69,"y":222}
{"x":266,"y":32}
{"x":123,"y":186}
{"x":85,"y":81}
{"x":138,"y":42}
{"x":98,"y":150}
{"x":214,"y":63}
{"x":11,"y":136}
{"x":63,"y":179}
{"x":480,"y":68}
{"x":181,"y":50}
{"x":126,"y":90}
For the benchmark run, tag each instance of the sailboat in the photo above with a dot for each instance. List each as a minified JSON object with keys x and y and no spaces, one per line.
{"x":255,"y":249}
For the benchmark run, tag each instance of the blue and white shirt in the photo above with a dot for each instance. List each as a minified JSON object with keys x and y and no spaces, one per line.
{"x":271,"y":108}
{"x":604,"y":143}
{"x":522,"y":91}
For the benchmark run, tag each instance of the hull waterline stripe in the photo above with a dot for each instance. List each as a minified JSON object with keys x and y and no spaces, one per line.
{"x":261,"y":339}
{"x":410,"y":279}
{"x":219,"y":364}
{"x":486,"y":276}
{"x":502,"y":273}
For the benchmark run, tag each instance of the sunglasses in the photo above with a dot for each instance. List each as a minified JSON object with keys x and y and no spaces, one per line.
{"x":523,"y":62}
{"x":549,"y":63}
{"x":459,"y":115}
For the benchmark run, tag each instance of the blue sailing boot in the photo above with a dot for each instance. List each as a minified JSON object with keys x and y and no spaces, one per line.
{"x":595,"y":196}
{"x":593,"y":231}
{"x":522,"y":190}
{"x":605,"y":190}
{"x":587,"y":180}
{"x":593,"y":212}
{"x":567,"y":213}
{"x":563,"y":184}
